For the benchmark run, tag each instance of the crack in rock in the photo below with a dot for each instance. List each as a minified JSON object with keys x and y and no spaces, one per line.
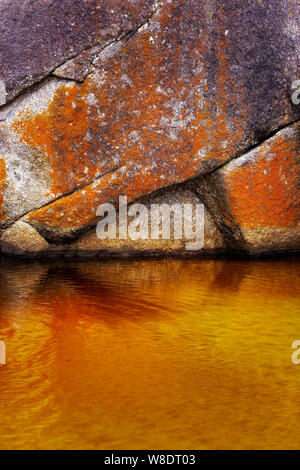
{"x":78,"y":68}
{"x":47,"y":34}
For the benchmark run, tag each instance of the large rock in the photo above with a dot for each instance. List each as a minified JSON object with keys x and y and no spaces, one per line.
{"x":196,"y":86}
{"x":255,"y":199}
{"x":22,"y":239}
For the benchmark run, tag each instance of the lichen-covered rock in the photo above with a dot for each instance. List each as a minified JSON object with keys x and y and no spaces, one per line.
{"x":138,"y":96}
{"x":255,"y":199}
{"x":27,"y":176}
{"x":196,"y":86}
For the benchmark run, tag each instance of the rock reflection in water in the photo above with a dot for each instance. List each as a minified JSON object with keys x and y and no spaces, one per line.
{"x":149,"y":354}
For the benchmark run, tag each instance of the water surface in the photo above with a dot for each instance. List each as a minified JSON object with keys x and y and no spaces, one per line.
{"x":149,"y":355}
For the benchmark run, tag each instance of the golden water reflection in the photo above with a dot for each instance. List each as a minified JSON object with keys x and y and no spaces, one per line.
{"x":162,"y":354}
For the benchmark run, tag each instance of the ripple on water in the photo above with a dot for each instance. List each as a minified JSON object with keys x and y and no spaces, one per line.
{"x":149,"y":354}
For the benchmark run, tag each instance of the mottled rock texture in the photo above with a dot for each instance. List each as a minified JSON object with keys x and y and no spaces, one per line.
{"x":255,"y":198}
{"x":38,"y":36}
{"x":22,"y":239}
{"x":137,"y":96}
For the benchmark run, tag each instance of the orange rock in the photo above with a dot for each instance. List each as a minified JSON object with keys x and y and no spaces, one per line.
{"x":255,"y":199}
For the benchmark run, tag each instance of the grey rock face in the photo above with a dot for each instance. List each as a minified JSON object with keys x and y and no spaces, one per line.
{"x":38,"y":36}
{"x":22,"y":239}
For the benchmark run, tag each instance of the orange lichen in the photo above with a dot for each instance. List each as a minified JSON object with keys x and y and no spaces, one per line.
{"x":265,"y":192}
{"x":79,"y":208}
{"x":61,"y":132}
{"x":143,"y":109}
